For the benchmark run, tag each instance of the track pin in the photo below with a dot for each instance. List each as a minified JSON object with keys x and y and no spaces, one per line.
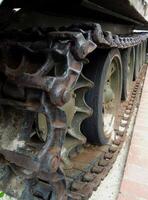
{"x":78,"y":185}
{"x":117,"y":140}
{"x":125,"y":117}
{"x":108,"y":155}
{"x":123,"y":123}
{"x":129,"y":107}
{"x":113,"y":149}
{"x":97,"y":169}
{"x":121,"y":129}
{"x":128,"y":111}
{"x":88,"y":177}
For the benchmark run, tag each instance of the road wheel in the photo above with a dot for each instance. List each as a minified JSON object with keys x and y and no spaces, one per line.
{"x":136,"y":68}
{"x":128,"y":61}
{"x":105,"y":70}
{"x":141,"y":56}
{"x":144,"y":52}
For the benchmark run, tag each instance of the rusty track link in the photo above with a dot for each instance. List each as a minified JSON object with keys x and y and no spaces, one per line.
{"x":85,"y":180}
{"x":38,"y":90}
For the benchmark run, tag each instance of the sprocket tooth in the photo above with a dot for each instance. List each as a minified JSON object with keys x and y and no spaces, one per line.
{"x":69,"y":144}
{"x":84,"y":110}
{"x":75,"y":131}
{"x":76,"y":111}
{"x":83,"y":82}
{"x":77,"y":135}
{"x":81,"y":105}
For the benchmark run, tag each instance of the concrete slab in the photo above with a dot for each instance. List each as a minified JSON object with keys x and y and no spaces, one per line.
{"x":135,"y":181}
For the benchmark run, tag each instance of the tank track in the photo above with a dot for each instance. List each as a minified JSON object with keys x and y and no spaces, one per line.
{"x":35,"y":168}
{"x":94,"y":163}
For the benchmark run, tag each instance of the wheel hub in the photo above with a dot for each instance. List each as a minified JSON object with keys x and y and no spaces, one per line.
{"x":130,"y":71}
{"x":108,"y":93}
{"x":110,"y":97}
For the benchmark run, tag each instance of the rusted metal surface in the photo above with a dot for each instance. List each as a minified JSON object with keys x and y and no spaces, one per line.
{"x":83,"y":184}
{"x":29,"y":85}
{"x":41,"y":93}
